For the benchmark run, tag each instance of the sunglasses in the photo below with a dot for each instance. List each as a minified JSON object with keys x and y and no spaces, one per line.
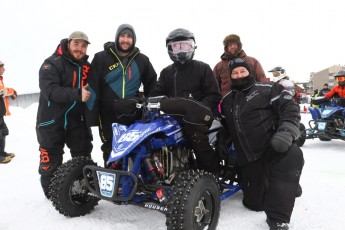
{"x":181,"y":46}
{"x":339,"y":79}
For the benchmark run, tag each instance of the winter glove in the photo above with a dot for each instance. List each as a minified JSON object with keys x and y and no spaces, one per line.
{"x":14,"y":95}
{"x":281,"y":141}
{"x":285,"y":135}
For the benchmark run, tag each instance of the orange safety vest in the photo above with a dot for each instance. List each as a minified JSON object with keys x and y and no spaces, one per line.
{"x":7,"y":93}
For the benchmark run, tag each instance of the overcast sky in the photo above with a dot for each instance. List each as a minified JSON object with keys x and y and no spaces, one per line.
{"x":303,"y":36}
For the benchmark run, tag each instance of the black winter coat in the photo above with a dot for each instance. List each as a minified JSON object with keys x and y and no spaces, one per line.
{"x":254,"y":114}
{"x":60,"y":82}
{"x":193,"y":79}
{"x":114,"y":77}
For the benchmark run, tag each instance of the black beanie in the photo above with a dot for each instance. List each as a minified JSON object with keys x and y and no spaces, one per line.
{"x":239,"y":62}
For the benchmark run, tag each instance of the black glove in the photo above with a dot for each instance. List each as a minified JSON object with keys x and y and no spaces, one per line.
{"x":319,"y":100}
{"x":340,"y":102}
{"x":285,"y":135}
{"x":281,"y":141}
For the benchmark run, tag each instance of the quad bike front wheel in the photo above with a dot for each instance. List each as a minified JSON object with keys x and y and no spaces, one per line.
{"x":195,"y":202}
{"x":68,"y":189}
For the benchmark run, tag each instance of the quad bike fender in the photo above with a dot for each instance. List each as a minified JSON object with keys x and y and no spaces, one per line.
{"x":125,"y":139}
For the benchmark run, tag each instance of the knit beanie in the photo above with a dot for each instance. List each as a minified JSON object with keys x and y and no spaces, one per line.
{"x":232,"y":38}
{"x":239,"y":62}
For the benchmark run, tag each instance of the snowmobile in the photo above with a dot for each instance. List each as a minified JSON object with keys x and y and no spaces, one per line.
{"x":155,"y":169}
{"x":327,"y":123}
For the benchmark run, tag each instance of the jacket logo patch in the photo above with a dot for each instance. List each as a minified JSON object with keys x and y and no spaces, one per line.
{"x":253,"y":94}
{"x":46,"y":67}
{"x":287,"y":97}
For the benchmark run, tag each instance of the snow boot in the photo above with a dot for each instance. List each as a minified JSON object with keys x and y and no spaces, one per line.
{"x":4,"y":160}
{"x":277,"y":225}
{"x":299,"y":191}
{"x":10,"y":154}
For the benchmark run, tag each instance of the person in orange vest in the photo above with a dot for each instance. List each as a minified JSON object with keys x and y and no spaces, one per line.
{"x":5,"y":93}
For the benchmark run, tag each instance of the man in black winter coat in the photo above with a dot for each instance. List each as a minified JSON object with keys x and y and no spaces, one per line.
{"x":263,"y":122}
{"x":117,"y":72}
{"x":195,"y":95}
{"x":62,"y":108}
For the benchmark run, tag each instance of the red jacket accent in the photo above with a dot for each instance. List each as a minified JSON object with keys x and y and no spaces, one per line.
{"x":340,"y":90}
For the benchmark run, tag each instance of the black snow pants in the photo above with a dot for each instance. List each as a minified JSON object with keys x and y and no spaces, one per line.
{"x":270,"y":183}
{"x":3,"y":133}
{"x":52,"y":141}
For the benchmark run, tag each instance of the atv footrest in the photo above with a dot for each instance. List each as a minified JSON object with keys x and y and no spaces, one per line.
{"x":229,"y":189}
{"x":109,"y":184}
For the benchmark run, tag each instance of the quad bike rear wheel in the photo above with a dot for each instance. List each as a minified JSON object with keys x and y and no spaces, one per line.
{"x":68,"y":189}
{"x":195,"y":202}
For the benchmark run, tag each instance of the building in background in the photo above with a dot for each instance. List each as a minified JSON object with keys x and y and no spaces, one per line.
{"x":318,"y":79}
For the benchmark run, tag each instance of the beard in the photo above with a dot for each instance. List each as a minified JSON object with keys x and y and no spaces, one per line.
{"x":242,"y":83}
{"x":127,"y":50}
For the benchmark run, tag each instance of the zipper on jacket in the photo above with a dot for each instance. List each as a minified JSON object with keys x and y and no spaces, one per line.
{"x":175,"y":81}
{"x":124,"y":70}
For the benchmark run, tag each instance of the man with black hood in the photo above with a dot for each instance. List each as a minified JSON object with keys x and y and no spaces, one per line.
{"x":233,"y":49}
{"x":62,"y":108}
{"x":263,"y":119}
{"x":117,"y":72}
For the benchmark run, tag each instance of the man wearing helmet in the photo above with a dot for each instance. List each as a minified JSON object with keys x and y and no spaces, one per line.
{"x":339,"y":90}
{"x":233,"y":49}
{"x":190,"y":83}
{"x":336,"y":92}
{"x":279,"y":75}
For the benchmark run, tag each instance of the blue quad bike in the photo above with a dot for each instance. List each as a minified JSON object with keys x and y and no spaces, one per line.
{"x":156,"y":169}
{"x":327,"y":122}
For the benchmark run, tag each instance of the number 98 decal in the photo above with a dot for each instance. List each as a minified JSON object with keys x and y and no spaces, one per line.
{"x":106,"y":183}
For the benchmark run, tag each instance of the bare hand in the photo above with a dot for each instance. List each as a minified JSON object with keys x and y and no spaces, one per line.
{"x":85,"y":94}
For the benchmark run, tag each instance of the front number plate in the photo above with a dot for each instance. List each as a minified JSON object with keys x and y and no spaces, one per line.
{"x":321,"y":126}
{"x":106,"y":183}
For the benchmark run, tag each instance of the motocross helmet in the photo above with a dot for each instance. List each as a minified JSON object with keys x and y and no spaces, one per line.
{"x":278,"y":73}
{"x":181,"y":45}
{"x":340,"y":78}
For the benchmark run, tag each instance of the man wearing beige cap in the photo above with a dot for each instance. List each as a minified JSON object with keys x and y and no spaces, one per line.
{"x":63,"y":105}
{"x":5,"y":93}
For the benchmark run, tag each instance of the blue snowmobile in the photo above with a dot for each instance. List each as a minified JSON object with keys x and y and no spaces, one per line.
{"x":156,"y":169}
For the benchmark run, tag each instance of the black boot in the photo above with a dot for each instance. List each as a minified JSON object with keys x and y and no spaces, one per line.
{"x":299,"y":191}
{"x":277,"y":225}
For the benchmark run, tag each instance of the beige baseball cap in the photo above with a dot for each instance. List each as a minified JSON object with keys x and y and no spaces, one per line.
{"x":79,"y":35}
{"x":1,"y":63}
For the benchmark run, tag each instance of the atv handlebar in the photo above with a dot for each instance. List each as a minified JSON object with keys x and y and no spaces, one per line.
{"x":152,"y":103}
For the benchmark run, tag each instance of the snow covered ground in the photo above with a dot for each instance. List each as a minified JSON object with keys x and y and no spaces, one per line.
{"x":23,"y":205}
